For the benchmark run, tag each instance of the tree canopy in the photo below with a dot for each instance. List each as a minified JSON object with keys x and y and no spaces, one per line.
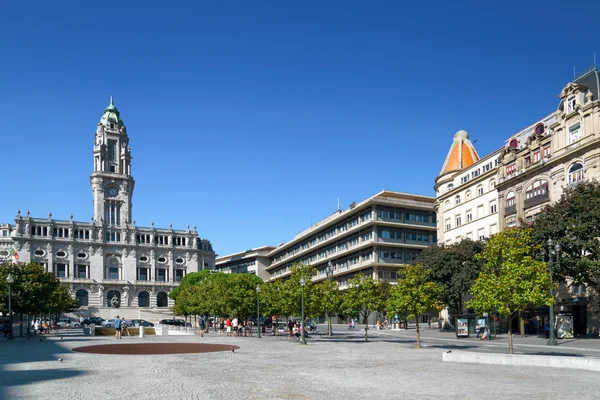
{"x":512,"y":279}
{"x":454,"y":268}
{"x":415,"y":294}
{"x":364,"y":296}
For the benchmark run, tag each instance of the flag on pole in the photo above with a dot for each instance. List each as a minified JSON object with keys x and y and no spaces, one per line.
{"x":15,"y":255}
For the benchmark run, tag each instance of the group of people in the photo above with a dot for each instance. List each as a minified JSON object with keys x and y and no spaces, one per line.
{"x":295,"y":328}
{"x":41,"y":326}
{"x":382,"y":325}
{"x":234,"y":327}
{"x":121,"y":326}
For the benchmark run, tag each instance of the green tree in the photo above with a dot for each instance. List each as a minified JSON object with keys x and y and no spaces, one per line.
{"x":328,"y":293}
{"x":242,"y":294}
{"x":273,"y":301}
{"x":415,"y":294}
{"x":454,"y":268}
{"x":574,"y":221}
{"x":365,"y":295}
{"x":511,"y":279}
{"x":292,"y":290}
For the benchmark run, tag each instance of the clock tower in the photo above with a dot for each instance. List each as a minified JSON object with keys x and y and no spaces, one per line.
{"x":111,"y":181}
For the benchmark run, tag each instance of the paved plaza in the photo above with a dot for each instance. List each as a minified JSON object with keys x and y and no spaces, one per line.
{"x":273,"y":368}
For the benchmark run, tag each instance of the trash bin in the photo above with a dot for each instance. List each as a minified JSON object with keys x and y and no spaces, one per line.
{"x":142,"y":333}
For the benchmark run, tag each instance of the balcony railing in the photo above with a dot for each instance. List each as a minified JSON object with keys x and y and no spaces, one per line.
{"x":537,"y":200}
{"x":510,"y":210}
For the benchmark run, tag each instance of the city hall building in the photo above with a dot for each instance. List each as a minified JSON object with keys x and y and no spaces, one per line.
{"x":109,"y":262}
{"x":477,"y":197}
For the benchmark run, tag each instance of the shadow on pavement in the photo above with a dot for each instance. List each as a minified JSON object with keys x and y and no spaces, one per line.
{"x":18,"y":378}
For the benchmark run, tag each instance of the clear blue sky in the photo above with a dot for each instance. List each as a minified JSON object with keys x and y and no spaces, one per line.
{"x":250,"y":119}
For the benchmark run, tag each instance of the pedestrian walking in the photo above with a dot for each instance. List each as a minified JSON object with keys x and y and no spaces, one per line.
{"x":125,"y":326}
{"x":118,"y":323}
{"x":202,"y":325}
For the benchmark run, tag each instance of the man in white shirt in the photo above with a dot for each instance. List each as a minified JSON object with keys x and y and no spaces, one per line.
{"x":234,"y":323}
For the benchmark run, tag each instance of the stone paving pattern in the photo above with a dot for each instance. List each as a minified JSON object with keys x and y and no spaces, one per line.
{"x":271,"y":368}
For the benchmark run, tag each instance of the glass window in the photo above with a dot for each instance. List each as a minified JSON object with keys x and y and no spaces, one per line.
{"x":178,"y":275}
{"x":143,"y":274}
{"x":82,"y":297}
{"x":574,"y":133}
{"x":113,"y":273}
{"x":511,"y":199}
{"x":162,"y":300}
{"x":82,"y":271}
{"x":161,"y":274}
{"x":144,"y":299}
{"x":112,"y":150}
{"x":576,"y":173}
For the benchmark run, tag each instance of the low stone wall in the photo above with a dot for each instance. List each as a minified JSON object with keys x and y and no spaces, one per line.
{"x":590,"y":364}
{"x":132,"y":331}
{"x":173,"y":330}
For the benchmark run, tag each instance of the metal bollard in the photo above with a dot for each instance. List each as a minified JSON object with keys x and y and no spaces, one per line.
{"x":142,"y":331}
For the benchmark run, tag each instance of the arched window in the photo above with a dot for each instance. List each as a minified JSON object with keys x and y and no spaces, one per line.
{"x":576,"y":173}
{"x":511,"y":200}
{"x":447,"y":205}
{"x":82,"y":297}
{"x":536,"y":189}
{"x":143,"y":299}
{"x":514,"y":143}
{"x":492,"y":184}
{"x":479,"y":190}
{"x":450,"y":186}
{"x":457,"y":200}
{"x":468,"y":195}
{"x":162,"y":300}
{"x":113,"y":299}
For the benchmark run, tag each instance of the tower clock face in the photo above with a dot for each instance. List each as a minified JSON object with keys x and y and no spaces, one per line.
{"x":113,"y":191}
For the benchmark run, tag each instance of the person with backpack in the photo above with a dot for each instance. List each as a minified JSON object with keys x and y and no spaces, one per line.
{"x":202,"y":325}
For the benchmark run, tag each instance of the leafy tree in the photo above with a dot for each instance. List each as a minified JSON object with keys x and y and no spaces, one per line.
{"x":454,"y":268}
{"x":365,"y":295}
{"x":330,"y":300}
{"x":242,"y":294}
{"x":415,"y":294}
{"x":511,"y":279}
{"x":273,"y":300}
{"x":574,"y":221}
{"x":292,"y":290}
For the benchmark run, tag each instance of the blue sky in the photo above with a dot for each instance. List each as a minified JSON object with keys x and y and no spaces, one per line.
{"x":250,"y":119}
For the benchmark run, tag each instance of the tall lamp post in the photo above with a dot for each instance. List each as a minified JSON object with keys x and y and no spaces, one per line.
{"x":551,"y":337}
{"x":302,"y":338}
{"x":329,"y":273}
{"x":258,"y":309}
{"x":10,"y":280}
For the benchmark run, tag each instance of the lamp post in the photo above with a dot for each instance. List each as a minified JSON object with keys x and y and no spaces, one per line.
{"x":551,"y":336}
{"x":302,"y":338}
{"x":329,"y":273}
{"x":258,"y":309}
{"x":10,"y":280}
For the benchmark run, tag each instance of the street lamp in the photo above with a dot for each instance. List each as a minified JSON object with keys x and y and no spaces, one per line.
{"x":10,"y":280}
{"x":258,"y":309}
{"x":551,"y":336}
{"x":329,"y":273}
{"x":302,"y":338}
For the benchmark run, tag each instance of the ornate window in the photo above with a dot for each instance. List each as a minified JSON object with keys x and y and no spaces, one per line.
{"x":81,"y":255}
{"x":536,"y":189}
{"x":61,"y":254}
{"x":144,"y":299}
{"x":479,"y":190}
{"x":457,"y":200}
{"x":576,"y":172}
{"x":511,"y":200}
{"x":162,"y":300}
{"x":82,"y":297}
{"x":539,"y":129}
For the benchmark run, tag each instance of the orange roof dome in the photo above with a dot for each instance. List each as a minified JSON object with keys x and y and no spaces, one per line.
{"x":462,"y":154}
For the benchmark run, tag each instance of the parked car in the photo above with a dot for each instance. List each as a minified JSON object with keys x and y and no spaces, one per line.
{"x":109,"y":323}
{"x":174,"y":322}
{"x":62,"y":323}
{"x":140,"y":322}
{"x":93,"y":320}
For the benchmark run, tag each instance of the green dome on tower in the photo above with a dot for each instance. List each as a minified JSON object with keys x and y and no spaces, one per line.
{"x":111,"y":115}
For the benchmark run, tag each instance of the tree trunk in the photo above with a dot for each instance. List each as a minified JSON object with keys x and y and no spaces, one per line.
{"x":21,"y":326}
{"x":521,"y":325}
{"x":510,"y":335}
{"x":328,"y":325}
{"x":28,"y":326}
{"x":418,"y":333}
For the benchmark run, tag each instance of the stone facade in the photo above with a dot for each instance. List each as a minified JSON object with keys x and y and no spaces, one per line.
{"x":109,"y":257}
{"x":530,"y":171}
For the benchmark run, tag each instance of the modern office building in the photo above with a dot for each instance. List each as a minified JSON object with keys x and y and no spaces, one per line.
{"x":108,"y":261}
{"x":531,"y":170}
{"x":254,"y":261}
{"x":375,"y":237}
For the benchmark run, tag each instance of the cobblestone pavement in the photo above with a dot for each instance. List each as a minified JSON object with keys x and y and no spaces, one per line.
{"x":271,"y":368}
